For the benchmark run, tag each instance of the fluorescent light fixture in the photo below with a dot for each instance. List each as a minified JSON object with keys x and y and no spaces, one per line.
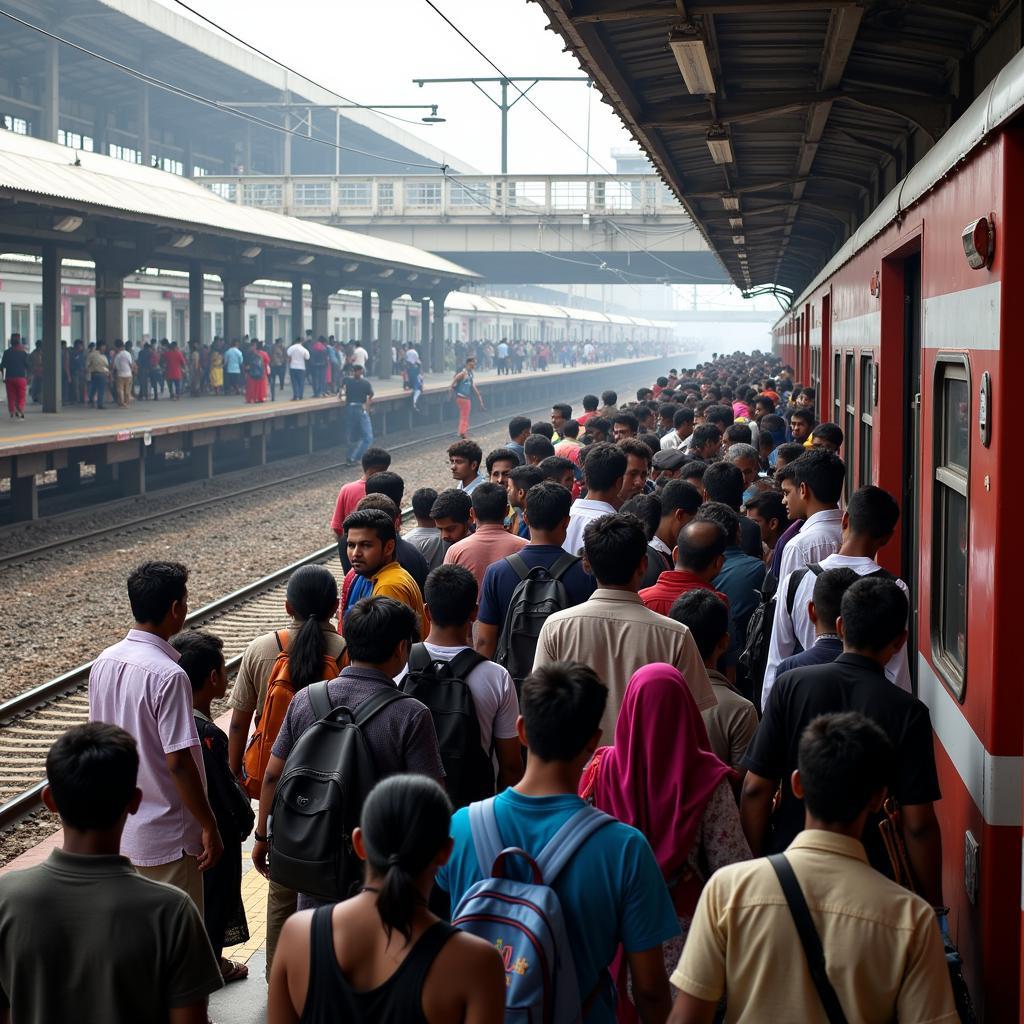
{"x":411,"y":277}
{"x":735,"y":222}
{"x":182,"y":241}
{"x":386,"y":273}
{"x":739,"y":239}
{"x":304,"y":261}
{"x":731,"y":202}
{"x":350,"y":267}
{"x":252,"y":252}
{"x":432,"y":117}
{"x":435,"y":280}
{"x":68,"y":224}
{"x":691,"y":54}
{"x":719,"y":144}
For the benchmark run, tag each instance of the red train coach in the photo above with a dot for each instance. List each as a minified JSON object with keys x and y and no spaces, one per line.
{"x":912,"y":336}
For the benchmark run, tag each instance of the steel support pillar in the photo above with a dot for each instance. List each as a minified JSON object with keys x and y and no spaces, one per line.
{"x":69,"y":478}
{"x":109,"y":302}
{"x":195,"y":302}
{"x":144,"y":148}
{"x":234,"y":307}
{"x":53,"y":369}
{"x":298,"y":312}
{"x":50,"y":119}
{"x":132,"y":476}
{"x":385,"y":307}
{"x":322,"y":292}
{"x":367,"y":323}
{"x":437,"y":334}
{"x":425,"y":328}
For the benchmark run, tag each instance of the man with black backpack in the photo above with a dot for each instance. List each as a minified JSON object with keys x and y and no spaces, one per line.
{"x":472,"y":700}
{"x":520,"y":591}
{"x":868,"y":524}
{"x":337,"y":740}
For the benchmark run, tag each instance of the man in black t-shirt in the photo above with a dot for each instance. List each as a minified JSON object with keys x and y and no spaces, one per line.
{"x":358,"y":398}
{"x":872,"y":626}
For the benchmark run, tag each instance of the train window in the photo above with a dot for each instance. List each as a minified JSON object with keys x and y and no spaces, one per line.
{"x":867,"y":372}
{"x":952,"y":474}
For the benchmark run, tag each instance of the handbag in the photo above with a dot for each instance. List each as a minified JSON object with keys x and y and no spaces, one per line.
{"x":808,"y":937}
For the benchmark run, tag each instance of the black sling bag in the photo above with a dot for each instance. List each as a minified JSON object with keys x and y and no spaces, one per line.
{"x":808,"y":937}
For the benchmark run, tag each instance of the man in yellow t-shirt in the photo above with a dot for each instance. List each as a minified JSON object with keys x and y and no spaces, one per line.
{"x":370,"y":544}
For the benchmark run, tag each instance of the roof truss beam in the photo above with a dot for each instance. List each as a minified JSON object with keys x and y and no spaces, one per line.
{"x":596,"y":11}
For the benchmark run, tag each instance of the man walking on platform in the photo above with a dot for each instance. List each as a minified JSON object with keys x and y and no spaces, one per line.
{"x":358,"y":396}
{"x":464,"y":388}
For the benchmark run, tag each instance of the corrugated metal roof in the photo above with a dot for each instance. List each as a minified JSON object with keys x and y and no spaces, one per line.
{"x":31,"y":167}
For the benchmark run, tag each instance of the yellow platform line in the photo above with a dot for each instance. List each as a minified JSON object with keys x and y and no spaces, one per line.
{"x":254,"y":897}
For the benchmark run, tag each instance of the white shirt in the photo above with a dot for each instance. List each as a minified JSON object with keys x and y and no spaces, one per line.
{"x":788,"y":630}
{"x":123,"y":363}
{"x":583,"y":512}
{"x":820,"y":536}
{"x":298,"y":355}
{"x":502,"y":350}
{"x":473,"y":484}
{"x":359,"y":356}
{"x":671,"y":441}
{"x":659,"y":545}
{"x":412,"y":356}
{"x":494,"y":696}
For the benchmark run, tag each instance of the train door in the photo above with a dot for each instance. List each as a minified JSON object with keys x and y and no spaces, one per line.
{"x":827,"y":383}
{"x":79,"y":322}
{"x":911,"y":438}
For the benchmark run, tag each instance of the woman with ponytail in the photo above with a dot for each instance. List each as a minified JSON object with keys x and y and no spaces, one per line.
{"x":382,"y":957}
{"x":275,"y":666}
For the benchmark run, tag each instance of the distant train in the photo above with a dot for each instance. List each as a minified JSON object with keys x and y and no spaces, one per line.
{"x":911,"y":336}
{"x":156,"y":306}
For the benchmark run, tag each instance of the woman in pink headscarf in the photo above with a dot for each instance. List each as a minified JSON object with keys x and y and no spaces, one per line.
{"x":660,"y":778}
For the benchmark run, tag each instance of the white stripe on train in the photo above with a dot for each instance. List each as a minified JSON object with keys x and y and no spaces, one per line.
{"x":993,"y":780}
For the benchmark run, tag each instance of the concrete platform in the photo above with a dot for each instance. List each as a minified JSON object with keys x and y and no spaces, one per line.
{"x":197,"y":438}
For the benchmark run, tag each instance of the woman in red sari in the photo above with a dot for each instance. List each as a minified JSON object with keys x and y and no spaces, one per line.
{"x":661,"y":778}
{"x":257,"y":373}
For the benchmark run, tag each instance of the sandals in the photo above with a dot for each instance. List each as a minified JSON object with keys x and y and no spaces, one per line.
{"x":231,"y":971}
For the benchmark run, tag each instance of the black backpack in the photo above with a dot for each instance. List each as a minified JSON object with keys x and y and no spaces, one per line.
{"x":442,"y":686}
{"x":538,"y":594}
{"x":319,"y":799}
{"x":754,"y":658}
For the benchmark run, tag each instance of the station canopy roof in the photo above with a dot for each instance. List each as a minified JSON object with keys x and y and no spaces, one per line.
{"x":781,"y":125}
{"x":95,"y":204}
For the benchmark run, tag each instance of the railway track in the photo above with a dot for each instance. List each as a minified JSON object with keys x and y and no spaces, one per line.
{"x":30,"y":722}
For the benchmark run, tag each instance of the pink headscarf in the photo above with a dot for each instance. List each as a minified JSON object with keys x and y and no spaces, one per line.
{"x":658,"y":776}
{"x":741,"y":409}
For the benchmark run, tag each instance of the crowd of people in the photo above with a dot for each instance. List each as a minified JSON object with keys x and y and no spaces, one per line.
{"x":620,"y":730}
{"x":96,"y":373}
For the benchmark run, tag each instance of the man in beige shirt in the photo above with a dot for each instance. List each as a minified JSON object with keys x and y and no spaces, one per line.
{"x":612,"y":631}
{"x":732,"y":722}
{"x":882,"y":945}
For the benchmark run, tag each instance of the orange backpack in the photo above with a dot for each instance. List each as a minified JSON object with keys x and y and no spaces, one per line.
{"x":279,"y":695}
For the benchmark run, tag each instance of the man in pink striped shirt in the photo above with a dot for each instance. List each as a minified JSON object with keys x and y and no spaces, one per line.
{"x":137,"y":685}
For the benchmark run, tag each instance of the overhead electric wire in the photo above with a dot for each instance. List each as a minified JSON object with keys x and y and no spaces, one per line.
{"x":281,"y":64}
{"x":522,"y":94}
{"x":207,"y":102}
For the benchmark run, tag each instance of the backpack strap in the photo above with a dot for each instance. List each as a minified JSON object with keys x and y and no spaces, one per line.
{"x":280,"y":645}
{"x":464,"y":662}
{"x":561,"y":847}
{"x":369,"y":707}
{"x":319,"y":699}
{"x":517,"y":563}
{"x":795,"y":579}
{"x":808,"y":937}
{"x":562,"y":565}
{"x":419,"y":658}
{"x":487,"y":841}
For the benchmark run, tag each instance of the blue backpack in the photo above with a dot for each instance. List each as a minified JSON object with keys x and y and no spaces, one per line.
{"x":524,"y":920}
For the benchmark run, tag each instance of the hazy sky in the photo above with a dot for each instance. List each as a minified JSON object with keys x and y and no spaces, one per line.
{"x":370,"y":52}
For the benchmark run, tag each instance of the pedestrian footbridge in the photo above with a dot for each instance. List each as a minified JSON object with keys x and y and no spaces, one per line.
{"x":522,"y":229}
